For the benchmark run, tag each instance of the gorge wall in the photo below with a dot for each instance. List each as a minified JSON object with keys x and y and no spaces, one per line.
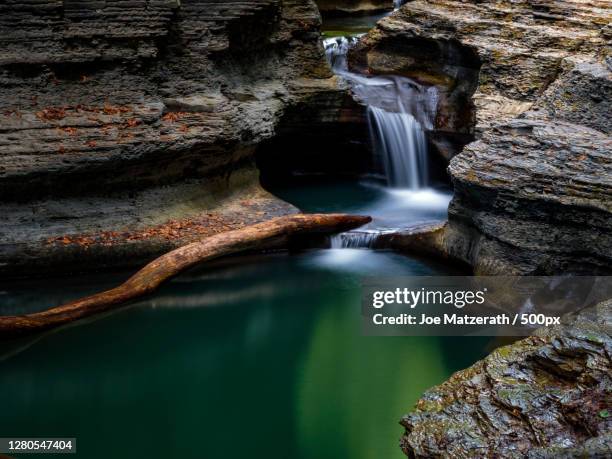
{"x":532,"y":82}
{"x":543,"y":397}
{"x":127,"y":128}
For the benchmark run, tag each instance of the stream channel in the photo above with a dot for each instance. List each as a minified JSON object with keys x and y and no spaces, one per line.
{"x":256,"y":356}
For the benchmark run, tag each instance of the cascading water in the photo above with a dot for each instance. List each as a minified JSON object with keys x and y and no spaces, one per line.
{"x":399,"y":109}
{"x":354,"y":239}
{"x":399,"y":139}
{"x":336,"y":50}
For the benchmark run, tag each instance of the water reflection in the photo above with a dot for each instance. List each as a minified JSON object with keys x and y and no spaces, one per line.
{"x":344,"y":25}
{"x":276,"y":369}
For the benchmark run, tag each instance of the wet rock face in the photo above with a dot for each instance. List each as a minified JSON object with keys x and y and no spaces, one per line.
{"x":106,"y":103}
{"x":393,"y":48}
{"x":533,"y":196}
{"x":532,"y":82}
{"x":120,"y":94}
{"x":547,"y":396}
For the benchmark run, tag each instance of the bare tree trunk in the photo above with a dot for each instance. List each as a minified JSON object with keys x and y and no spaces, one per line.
{"x":150,"y":277}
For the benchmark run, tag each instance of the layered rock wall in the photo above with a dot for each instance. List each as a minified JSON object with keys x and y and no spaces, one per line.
{"x":532,"y":81}
{"x":114,"y":94}
{"x":123,"y":99}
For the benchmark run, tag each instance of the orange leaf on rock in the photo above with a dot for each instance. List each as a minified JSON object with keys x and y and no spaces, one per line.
{"x":52,"y":113}
{"x":132,"y":122}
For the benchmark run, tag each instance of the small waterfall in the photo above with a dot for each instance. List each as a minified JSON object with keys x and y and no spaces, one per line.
{"x":399,"y":139}
{"x":396,"y":94}
{"x":398,"y":3}
{"x":354,"y":239}
{"x":399,"y":111}
{"x":336,"y":50}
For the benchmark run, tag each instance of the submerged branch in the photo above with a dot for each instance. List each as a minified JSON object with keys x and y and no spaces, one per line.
{"x":149,"y":278}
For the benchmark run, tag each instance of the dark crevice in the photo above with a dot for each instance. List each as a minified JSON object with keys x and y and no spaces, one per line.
{"x":323,"y":137}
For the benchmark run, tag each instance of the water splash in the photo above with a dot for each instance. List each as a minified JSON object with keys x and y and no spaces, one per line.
{"x":336,"y":51}
{"x":397,"y":4}
{"x":354,"y":240}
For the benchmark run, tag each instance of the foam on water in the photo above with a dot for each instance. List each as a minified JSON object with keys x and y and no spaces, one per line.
{"x":425,"y":198}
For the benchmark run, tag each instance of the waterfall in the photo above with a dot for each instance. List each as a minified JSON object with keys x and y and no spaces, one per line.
{"x":399,"y":110}
{"x":399,"y":139}
{"x":354,"y":239}
{"x":336,"y":50}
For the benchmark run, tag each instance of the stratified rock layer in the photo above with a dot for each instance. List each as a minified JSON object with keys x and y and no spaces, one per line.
{"x":109,"y":94}
{"x":547,"y":396}
{"x":102,"y":101}
{"x":533,"y":196}
{"x":532,"y":81}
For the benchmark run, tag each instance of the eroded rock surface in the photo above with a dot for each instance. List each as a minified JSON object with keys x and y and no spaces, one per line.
{"x":547,"y":396}
{"x":532,"y":82}
{"x":124,"y":229}
{"x":110,"y":99}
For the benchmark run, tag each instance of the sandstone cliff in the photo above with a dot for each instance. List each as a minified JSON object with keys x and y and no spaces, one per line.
{"x":532,"y":82}
{"x":124,"y":123}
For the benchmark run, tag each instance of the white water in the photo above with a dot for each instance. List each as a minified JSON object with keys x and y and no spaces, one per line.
{"x":354,"y":239}
{"x":336,"y":49}
{"x":399,"y":110}
{"x":394,"y":210}
{"x":399,"y":139}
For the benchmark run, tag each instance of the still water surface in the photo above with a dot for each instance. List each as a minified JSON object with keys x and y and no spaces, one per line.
{"x":255,"y":356}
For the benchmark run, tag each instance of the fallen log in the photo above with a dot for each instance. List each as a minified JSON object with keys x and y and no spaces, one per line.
{"x":260,"y":236}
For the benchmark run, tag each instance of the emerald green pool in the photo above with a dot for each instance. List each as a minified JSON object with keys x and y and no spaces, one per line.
{"x":254,"y":356}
